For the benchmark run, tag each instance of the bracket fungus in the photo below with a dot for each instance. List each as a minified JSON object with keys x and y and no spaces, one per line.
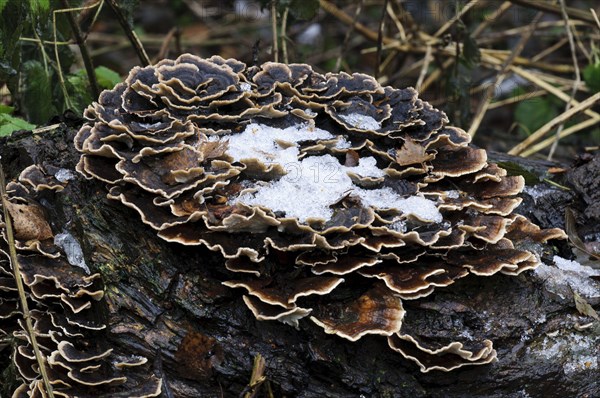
{"x":63,"y":309}
{"x":308,"y":184}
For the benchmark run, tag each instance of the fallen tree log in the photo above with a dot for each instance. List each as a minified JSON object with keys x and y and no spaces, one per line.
{"x":166,"y":302}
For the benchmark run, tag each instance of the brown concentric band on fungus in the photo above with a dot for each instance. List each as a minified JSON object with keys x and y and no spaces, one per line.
{"x":280,"y":168}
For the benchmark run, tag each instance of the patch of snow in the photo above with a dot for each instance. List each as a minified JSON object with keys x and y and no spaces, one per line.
{"x":386,"y":198}
{"x":72,"y":249}
{"x":523,"y":394}
{"x":320,"y":181}
{"x":577,"y":352}
{"x":245,"y":86}
{"x":310,"y":112}
{"x":149,"y":126}
{"x":367,"y":167}
{"x":314,"y":183}
{"x":569,"y":276}
{"x":452,"y":194}
{"x":535,"y":192}
{"x":64,"y":175}
{"x":574,"y":266}
{"x":258,"y":141}
{"x":466,"y":335}
{"x":343,"y":143}
{"x":399,"y":226}
{"x":361,"y":121}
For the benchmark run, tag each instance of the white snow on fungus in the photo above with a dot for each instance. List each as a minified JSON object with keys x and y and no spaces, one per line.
{"x":362,"y":122}
{"x":314,"y":183}
{"x":260,"y":142}
{"x":245,"y":86}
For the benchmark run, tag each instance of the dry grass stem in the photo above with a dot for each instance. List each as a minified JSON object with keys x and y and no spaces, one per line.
{"x":489,"y":93}
{"x":518,"y":149}
{"x":12,"y":251}
{"x":577,"y":75}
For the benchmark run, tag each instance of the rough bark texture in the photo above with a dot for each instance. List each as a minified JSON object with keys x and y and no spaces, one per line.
{"x":166,"y":302}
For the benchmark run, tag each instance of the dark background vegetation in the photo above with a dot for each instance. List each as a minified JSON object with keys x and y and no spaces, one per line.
{"x":462,"y":55}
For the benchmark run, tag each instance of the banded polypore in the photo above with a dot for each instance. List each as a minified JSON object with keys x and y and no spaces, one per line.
{"x":308,"y":185}
{"x":62,"y":297}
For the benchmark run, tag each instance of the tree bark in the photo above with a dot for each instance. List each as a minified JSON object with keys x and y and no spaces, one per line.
{"x":166,"y":302}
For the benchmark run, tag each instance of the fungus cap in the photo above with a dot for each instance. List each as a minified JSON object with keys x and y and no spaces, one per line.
{"x":295,"y":176}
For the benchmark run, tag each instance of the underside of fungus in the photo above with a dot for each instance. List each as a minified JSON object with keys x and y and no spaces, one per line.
{"x":63,"y":299}
{"x":307,"y":184}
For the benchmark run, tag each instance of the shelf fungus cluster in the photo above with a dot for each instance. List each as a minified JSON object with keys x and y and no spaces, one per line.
{"x":63,"y":302}
{"x":329,"y":197}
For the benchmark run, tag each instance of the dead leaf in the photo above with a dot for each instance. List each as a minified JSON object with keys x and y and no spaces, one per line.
{"x":411,"y":153}
{"x":571,"y":229}
{"x":557,"y":170}
{"x":584,"y":308}
{"x":197,"y":355}
{"x":213,"y":149}
{"x":29,"y":222}
{"x":352,"y":158}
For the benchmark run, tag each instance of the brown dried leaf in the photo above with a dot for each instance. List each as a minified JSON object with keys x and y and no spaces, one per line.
{"x":584,"y":307}
{"x":213,"y":149}
{"x":411,"y":153}
{"x":352,"y":158}
{"x":29,"y":222}
{"x":197,"y":355}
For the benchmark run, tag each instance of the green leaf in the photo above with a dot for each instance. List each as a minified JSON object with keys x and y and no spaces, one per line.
{"x":534,"y":113}
{"x":9,"y":123}
{"x":304,"y":9}
{"x":107,"y":78}
{"x":514,"y":169}
{"x":591,"y":75}
{"x":36,"y":90}
{"x":79,"y":91}
{"x":13,"y":19}
{"x":5,"y":108}
{"x":39,"y":7}
{"x":3,"y":4}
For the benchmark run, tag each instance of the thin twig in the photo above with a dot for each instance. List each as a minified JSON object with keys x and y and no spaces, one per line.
{"x":284,"y":19}
{"x":345,"y":18}
{"x":424,"y":68}
{"x":257,"y":378}
{"x":380,"y":39}
{"x":549,"y":87}
{"x":595,"y":17}
{"x":133,"y":39}
{"x":59,"y":71}
{"x":164,"y":48}
{"x":489,"y":93}
{"x":85,"y":55}
{"x":274,"y":29}
{"x":455,"y":18}
{"x":577,"y":76}
{"x":10,"y":237}
{"x":61,"y":78}
{"x":344,"y":47}
{"x":565,"y":133}
{"x":548,"y":6}
{"x":518,"y":149}
{"x":547,"y":51}
{"x":397,"y":22}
